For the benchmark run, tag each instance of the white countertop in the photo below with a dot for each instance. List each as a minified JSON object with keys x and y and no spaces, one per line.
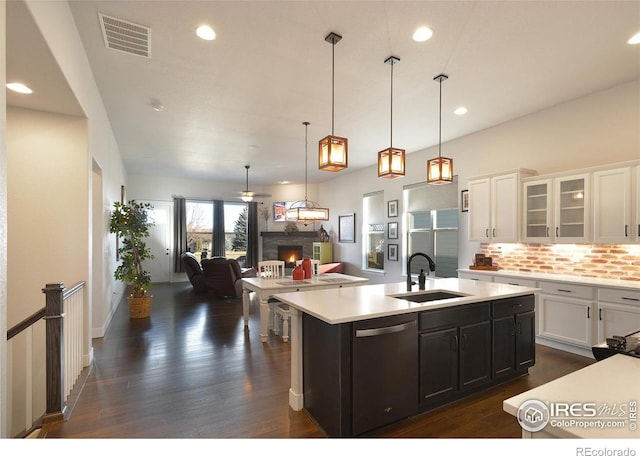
{"x":342,"y":305}
{"x":612,"y":382}
{"x":590,"y":281}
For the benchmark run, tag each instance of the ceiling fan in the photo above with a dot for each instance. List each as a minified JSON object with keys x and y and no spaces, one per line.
{"x":246,"y":195}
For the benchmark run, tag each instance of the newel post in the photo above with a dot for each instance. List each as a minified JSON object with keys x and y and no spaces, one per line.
{"x":55,"y":354}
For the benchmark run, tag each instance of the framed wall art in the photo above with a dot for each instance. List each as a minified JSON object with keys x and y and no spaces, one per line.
{"x":393,"y":252}
{"x":464,"y":201}
{"x":347,"y":228}
{"x":392,"y":208}
{"x":392,"y":230}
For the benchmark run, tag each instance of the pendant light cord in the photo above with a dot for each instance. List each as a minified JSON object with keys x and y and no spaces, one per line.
{"x":306,"y":154}
{"x":391,"y":129}
{"x":440,"y":121}
{"x":333,"y":77}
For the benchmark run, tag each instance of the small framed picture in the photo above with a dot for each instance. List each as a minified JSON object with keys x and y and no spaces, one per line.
{"x":392,"y":208}
{"x":479,"y":259}
{"x":464,"y":201}
{"x":393,"y":252}
{"x":347,"y":228}
{"x":392,"y":230}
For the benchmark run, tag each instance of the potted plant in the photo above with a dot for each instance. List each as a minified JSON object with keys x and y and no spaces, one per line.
{"x":130,"y":223}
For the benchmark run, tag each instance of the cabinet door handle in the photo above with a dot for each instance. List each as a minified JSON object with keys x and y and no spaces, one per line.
{"x":588,"y":313}
{"x":630,"y":299}
{"x":562,"y":290}
{"x":513,"y":329}
{"x":547,"y":231}
{"x":463,"y":342}
{"x":455,"y":343}
{"x":486,"y":232}
{"x":557,"y":232}
{"x":519,"y":328}
{"x":494,"y":232}
{"x":600,"y":314}
{"x":626,"y":231}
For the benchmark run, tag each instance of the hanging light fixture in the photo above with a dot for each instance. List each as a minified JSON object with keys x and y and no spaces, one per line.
{"x":440,"y":169}
{"x":306,"y":211}
{"x":333,"y":150}
{"x":391,"y":160}
{"x":246,"y":195}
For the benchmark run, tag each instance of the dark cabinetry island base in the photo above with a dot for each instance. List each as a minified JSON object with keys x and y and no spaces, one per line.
{"x":362,"y":375}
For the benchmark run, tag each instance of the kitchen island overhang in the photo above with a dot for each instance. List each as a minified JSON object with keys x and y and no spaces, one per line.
{"x":352,"y":306}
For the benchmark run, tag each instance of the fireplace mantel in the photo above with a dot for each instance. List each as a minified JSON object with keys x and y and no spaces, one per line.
{"x":307,"y":234}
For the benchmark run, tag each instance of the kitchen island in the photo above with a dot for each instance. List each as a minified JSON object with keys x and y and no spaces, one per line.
{"x":365,"y":356}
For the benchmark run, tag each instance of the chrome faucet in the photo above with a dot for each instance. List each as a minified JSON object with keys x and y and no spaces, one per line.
{"x":432,"y":267}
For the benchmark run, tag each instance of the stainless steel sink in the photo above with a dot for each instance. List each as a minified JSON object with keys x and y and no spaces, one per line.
{"x":429,"y":296}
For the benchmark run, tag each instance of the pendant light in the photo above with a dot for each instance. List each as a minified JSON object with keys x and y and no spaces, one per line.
{"x":246,"y":195}
{"x":333,"y":150}
{"x":440,"y":169}
{"x":306,"y":211}
{"x":391,"y":160}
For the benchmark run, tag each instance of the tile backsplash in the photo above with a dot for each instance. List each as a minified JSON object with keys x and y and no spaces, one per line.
{"x":604,"y":261}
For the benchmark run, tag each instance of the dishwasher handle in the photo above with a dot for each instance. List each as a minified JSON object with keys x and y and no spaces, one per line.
{"x":385,"y":329}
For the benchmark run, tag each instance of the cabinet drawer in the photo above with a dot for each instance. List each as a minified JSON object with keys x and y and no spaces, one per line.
{"x":455,"y":316}
{"x":516,"y":281}
{"x":472,"y":276}
{"x":512,"y":306}
{"x":619,"y":296}
{"x":567,"y":289}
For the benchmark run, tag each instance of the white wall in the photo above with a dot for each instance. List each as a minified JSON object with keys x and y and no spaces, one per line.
{"x":56,"y":24}
{"x":593,"y":130}
{"x":3,"y":227}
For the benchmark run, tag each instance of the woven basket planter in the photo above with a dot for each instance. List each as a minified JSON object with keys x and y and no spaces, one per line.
{"x":140,"y":307}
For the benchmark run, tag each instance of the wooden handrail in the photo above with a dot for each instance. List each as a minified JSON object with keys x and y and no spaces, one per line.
{"x":24,"y":324}
{"x":73,"y":289}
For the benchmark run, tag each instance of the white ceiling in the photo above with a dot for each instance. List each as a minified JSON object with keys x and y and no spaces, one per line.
{"x":241,"y":99}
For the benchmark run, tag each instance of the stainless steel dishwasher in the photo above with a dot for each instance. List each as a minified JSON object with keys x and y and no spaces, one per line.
{"x":385,"y":371}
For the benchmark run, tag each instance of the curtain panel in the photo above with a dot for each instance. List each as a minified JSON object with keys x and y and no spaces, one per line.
{"x":252,"y":236}
{"x":179,"y":232}
{"x":218,"y":229}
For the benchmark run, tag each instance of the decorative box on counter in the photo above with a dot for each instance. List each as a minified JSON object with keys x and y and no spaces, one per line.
{"x":483,"y":263}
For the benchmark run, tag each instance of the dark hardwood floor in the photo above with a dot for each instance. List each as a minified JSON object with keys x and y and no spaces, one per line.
{"x":192,"y":371}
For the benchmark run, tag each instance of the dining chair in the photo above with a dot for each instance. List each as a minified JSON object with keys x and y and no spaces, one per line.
{"x":315,"y":265}
{"x":272,"y":269}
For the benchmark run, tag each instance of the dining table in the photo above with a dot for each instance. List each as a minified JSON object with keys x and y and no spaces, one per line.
{"x":266,"y":287}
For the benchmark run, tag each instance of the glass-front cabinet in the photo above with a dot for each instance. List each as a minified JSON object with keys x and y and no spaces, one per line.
{"x":572,"y":209}
{"x":538,"y":211}
{"x":557,"y":210}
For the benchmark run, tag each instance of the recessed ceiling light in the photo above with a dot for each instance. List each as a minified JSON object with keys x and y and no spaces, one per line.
{"x":206,"y":33}
{"x":19,"y":87}
{"x":422,"y":34}
{"x":285,"y":182}
{"x":461,"y":111}
{"x":635,"y":39}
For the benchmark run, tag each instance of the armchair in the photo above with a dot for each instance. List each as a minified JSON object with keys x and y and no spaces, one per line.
{"x":222,"y":276}
{"x":194,"y":272}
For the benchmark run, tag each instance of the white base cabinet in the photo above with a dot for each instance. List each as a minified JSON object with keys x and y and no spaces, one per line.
{"x":618,"y":313}
{"x":566,"y":314}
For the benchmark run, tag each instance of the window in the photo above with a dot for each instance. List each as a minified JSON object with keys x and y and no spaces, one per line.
{"x":373,"y":229}
{"x":199,"y":228}
{"x":432,"y":226}
{"x":235,"y":231}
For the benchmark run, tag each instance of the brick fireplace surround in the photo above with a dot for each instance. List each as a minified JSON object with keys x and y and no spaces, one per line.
{"x":604,"y":261}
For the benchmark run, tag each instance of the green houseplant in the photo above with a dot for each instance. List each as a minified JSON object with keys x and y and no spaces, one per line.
{"x":130,"y":222}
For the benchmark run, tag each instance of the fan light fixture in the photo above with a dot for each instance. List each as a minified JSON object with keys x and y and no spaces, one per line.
{"x":440,"y":169}
{"x":306,"y":211}
{"x":391,"y":160}
{"x":246,"y":195}
{"x":333,"y":150}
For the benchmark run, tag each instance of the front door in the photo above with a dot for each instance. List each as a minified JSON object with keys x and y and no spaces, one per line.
{"x":160,"y":242}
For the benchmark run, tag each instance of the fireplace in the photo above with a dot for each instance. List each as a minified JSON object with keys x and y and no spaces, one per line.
{"x":289,"y":254}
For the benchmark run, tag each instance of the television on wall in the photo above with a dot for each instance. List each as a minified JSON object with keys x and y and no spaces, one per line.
{"x":280,"y":210}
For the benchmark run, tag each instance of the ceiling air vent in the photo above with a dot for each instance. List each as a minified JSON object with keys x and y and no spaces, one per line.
{"x":125,"y":36}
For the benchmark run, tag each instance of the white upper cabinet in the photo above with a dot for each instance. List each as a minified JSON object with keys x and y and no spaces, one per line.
{"x":612,"y":223}
{"x":538,"y":211}
{"x":572,"y":211}
{"x":494,"y":214}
